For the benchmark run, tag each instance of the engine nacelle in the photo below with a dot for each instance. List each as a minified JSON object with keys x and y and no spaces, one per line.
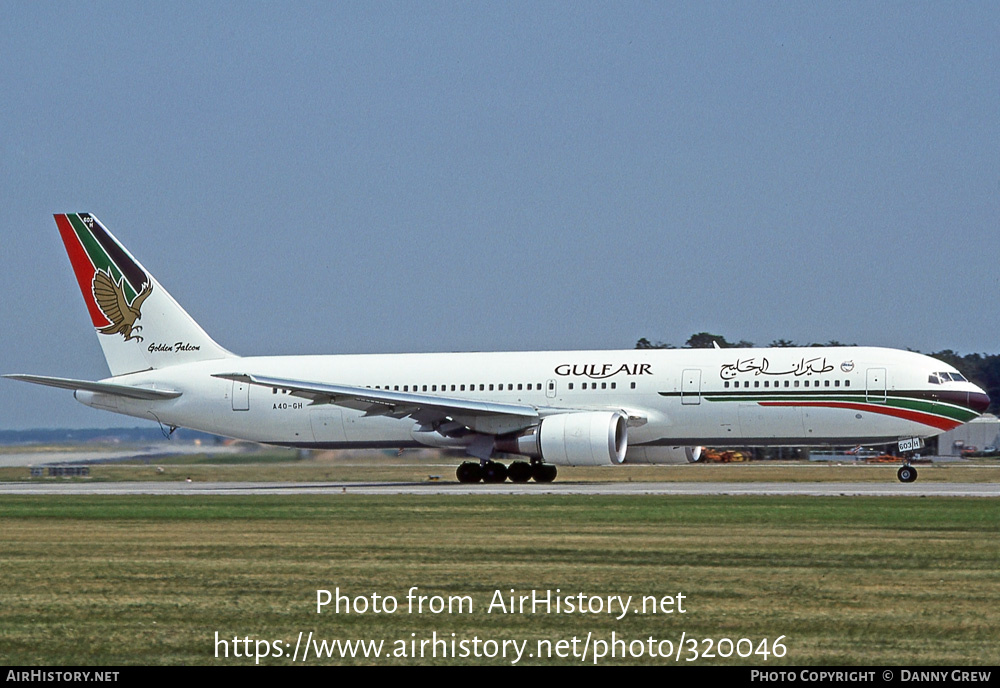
{"x":662,"y":455}
{"x":593,"y":438}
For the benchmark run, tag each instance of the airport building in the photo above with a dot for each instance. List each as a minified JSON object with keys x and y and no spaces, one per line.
{"x":980,"y":433}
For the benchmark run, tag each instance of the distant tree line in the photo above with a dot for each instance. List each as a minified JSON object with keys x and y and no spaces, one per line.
{"x":707,"y":340}
{"x":982,"y":369}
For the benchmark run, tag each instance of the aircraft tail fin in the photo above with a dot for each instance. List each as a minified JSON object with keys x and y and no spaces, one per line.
{"x":138,"y":323}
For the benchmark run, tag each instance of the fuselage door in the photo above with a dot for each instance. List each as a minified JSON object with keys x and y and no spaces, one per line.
{"x":691,"y":386}
{"x":550,"y":389}
{"x":241,"y":396}
{"x":875,"y":388}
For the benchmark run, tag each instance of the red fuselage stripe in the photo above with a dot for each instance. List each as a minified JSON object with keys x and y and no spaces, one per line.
{"x":907,"y":414}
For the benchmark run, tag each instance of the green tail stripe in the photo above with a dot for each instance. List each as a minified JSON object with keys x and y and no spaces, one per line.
{"x":98,"y":256}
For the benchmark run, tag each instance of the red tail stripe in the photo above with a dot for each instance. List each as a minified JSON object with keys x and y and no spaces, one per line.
{"x":82,"y":268}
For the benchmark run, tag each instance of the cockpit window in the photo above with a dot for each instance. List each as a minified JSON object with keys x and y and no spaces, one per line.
{"x":938,"y":378}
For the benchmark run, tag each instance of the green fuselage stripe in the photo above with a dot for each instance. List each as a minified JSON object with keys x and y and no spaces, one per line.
{"x":938,"y":408}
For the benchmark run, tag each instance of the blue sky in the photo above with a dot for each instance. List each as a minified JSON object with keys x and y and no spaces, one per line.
{"x":381,"y":177}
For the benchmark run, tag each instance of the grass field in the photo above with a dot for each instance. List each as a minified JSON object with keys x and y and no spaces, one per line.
{"x":141,"y":580}
{"x":417,"y":466}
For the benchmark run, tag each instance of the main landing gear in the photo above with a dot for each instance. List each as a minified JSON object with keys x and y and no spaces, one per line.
{"x":906,"y":473}
{"x":496,"y":472}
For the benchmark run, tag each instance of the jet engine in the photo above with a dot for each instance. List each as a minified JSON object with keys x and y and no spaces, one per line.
{"x":662,"y":455}
{"x":592,"y":438}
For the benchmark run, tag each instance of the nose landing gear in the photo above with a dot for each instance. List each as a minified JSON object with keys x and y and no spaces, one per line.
{"x":906,"y":473}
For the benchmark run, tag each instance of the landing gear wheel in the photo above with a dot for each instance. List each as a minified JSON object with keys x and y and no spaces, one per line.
{"x":469,"y":472}
{"x":494,"y":472}
{"x":519,"y":472}
{"x":543,"y":472}
{"x":906,"y":474}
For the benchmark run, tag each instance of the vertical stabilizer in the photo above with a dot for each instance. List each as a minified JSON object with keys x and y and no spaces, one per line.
{"x":138,"y":323}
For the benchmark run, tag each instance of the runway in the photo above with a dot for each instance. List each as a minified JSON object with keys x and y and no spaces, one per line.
{"x":817,"y":489}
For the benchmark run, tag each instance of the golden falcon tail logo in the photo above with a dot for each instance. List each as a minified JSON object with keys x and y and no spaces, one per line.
{"x":110,"y":296}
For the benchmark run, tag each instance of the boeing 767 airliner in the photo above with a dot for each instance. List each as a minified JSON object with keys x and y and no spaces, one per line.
{"x":551,"y":408}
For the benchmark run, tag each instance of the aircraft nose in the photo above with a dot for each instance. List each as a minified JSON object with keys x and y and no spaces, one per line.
{"x":979,"y":401}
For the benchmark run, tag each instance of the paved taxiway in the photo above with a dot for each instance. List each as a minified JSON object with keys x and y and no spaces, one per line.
{"x":888,"y":489}
{"x":147,"y":453}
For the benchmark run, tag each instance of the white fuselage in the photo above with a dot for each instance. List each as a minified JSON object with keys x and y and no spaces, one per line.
{"x":675,"y":397}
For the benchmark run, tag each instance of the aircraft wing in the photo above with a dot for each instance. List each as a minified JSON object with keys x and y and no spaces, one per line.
{"x":481,"y":416}
{"x":101,"y":387}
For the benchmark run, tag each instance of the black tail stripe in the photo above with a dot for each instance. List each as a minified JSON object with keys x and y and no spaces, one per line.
{"x":132,"y":272}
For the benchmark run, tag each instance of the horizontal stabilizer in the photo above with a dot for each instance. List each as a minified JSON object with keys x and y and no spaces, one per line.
{"x":100,"y":387}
